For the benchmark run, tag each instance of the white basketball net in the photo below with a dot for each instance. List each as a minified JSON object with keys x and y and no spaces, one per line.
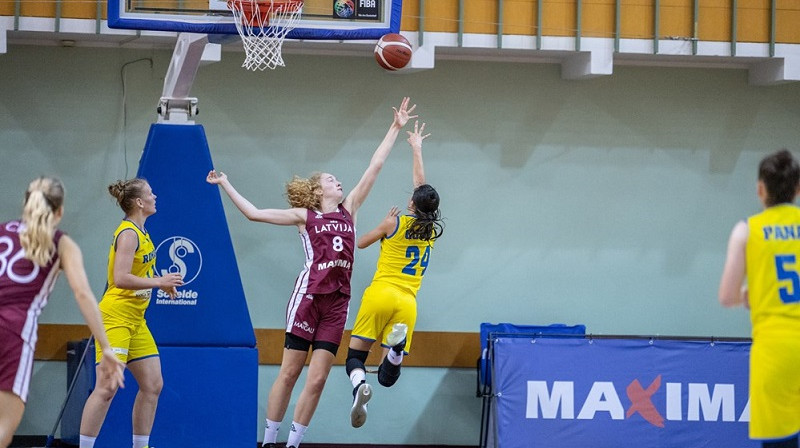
{"x":263,"y":26}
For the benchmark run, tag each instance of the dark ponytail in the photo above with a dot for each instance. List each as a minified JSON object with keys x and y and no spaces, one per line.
{"x":428,"y":224}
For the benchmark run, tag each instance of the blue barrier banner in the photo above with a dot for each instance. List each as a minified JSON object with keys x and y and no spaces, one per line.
{"x":618,"y":393}
{"x":490,"y":331}
{"x":191,"y":237}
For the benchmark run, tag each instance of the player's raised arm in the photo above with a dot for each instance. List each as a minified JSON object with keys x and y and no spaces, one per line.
{"x":284,"y":217}
{"x":415,"y":140}
{"x":386,"y":227}
{"x":359,"y":193}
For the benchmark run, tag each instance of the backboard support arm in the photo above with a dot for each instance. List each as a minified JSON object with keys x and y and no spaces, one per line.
{"x":175,"y":105}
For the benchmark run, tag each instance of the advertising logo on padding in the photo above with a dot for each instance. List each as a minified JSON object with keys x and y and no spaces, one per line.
{"x":178,"y":254}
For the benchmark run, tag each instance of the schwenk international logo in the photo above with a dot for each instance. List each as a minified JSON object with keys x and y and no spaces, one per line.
{"x":179,"y":255}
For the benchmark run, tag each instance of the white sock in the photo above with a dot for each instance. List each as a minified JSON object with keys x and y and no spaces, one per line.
{"x":271,"y":432}
{"x":357,"y":376}
{"x":296,"y":434}
{"x":86,"y":441}
{"x":140,"y":441}
{"x":394,"y":357}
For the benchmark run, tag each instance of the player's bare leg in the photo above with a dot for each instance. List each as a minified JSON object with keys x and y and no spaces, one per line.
{"x":11,"y":410}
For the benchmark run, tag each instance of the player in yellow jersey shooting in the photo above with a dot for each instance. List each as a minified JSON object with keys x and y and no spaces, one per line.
{"x":388,"y":309}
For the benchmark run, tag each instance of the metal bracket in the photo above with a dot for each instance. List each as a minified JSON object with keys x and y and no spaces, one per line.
{"x":175,"y":105}
{"x":177,"y":110}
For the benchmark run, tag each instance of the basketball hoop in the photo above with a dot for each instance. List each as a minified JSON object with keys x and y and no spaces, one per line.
{"x":263,"y":41}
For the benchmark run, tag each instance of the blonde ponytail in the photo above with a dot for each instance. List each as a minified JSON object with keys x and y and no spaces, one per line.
{"x":42,"y":200}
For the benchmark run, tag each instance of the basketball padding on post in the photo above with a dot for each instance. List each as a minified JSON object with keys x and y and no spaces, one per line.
{"x":191,"y":237}
{"x":205,"y":336}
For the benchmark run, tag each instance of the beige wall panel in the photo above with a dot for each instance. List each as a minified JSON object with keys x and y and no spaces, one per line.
{"x":81,"y":9}
{"x":37,"y":9}
{"x":788,"y":17}
{"x":410,"y":16}
{"x":753,"y":21}
{"x":463,"y":347}
{"x":440,"y":15}
{"x":636,"y":19}
{"x":675,"y":18}
{"x":558,"y":18}
{"x":598,"y":18}
{"x":519,"y":17}
{"x":480,"y":16}
{"x":714,"y":23}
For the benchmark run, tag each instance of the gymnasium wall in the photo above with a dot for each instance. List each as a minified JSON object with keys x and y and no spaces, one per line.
{"x":605,"y":202}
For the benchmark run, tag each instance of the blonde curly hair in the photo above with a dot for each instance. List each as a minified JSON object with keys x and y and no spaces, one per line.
{"x":305,"y":193}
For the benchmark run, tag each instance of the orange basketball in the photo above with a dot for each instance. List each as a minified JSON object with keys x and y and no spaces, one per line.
{"x":393,"y":51}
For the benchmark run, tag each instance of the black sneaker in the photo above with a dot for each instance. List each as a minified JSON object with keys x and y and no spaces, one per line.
{"x":270,"y":445}
{"x":358,"y":413}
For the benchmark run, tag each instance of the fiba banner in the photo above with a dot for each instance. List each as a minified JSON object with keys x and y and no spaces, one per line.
{"x":192,"y":238}
{"x":617,"y":393}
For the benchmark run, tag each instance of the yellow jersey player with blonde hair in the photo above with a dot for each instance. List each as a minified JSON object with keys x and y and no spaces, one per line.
{"x":765,"y":251}
{"x":131,"y":279}
{"x":388,"y":309}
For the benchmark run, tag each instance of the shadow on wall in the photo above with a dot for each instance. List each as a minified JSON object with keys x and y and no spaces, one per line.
{"x":454,"y":397}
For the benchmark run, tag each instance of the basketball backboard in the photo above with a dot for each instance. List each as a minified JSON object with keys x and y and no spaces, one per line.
{"x":320,"y":20}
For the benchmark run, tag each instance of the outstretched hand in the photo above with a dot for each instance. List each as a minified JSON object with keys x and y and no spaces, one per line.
{"x":391,"y":217}
{"x":216,"y":177}
{"x":403,"y":114}
{"x":415,"y":138}
{"x":390,"y":221}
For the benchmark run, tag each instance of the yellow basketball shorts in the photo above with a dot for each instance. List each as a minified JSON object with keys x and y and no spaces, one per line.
{"x":774,"y":388}
{"x":129,"y":342}
{"x":382,"y":306}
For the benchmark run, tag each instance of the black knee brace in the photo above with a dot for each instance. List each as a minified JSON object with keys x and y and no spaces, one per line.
{"x":356,"y":360}
{"x":388,"y":373}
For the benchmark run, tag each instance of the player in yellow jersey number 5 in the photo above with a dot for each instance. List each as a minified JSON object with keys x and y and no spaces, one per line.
{"x":765,"y":251}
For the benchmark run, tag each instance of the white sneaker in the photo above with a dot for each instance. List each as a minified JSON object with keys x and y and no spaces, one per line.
{"x":358,"y":413}
{"x":398,"y":334}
